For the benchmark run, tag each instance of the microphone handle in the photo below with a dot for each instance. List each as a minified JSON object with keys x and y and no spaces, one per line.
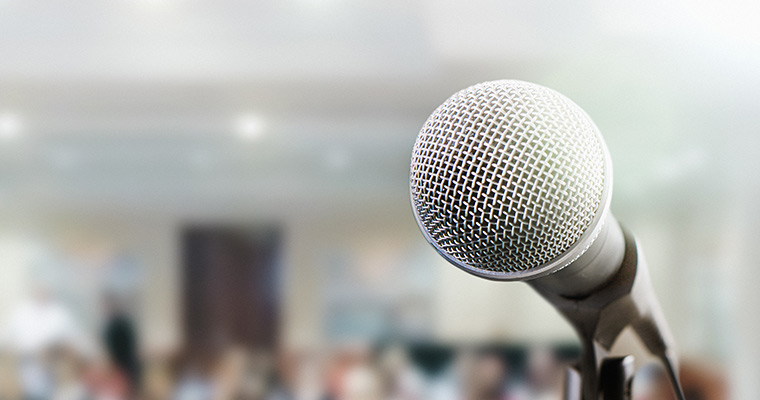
{"x":627,"y":299}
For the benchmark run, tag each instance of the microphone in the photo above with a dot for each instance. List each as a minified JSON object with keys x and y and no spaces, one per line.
{"x":512,"y":181}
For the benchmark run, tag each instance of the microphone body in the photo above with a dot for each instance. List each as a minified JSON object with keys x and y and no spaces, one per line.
{"x":623,"y":298}
{"x":512,"y":181}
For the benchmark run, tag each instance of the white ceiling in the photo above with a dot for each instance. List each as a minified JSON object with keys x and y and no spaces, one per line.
{"x":131,"y":104}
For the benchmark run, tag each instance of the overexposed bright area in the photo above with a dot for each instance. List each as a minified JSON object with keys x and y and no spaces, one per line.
{"x":142,"y":141}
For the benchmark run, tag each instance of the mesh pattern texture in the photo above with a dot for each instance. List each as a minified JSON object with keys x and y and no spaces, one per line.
{"x":507,"y":175}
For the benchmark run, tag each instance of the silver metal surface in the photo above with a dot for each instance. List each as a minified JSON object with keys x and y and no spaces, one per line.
{"x":510,"y":180}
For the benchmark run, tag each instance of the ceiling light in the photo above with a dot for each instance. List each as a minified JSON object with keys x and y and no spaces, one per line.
{"x":249,"y":126}
{"x":10,"y":126}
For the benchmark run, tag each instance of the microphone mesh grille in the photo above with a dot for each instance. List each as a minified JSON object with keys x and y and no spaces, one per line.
{"x":507,"y":175}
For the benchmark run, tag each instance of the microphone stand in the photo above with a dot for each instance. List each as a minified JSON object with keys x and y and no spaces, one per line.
{"x":615,"y":376}
{"x":626,"y":300}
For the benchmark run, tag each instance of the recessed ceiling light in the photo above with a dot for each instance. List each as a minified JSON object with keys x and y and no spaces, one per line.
{"x":10,"y":126}
{"x":249,"y":126}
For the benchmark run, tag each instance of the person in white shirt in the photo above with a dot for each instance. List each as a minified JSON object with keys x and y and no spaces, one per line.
{"x":34,"y":327}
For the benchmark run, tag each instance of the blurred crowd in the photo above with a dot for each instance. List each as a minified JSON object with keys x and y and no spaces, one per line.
{"x":240,"y":374}
{"x":46,"y":356}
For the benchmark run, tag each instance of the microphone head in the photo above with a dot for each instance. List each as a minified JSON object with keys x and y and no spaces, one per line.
{"x":510,"y":180}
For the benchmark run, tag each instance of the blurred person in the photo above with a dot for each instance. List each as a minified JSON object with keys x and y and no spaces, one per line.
{"x":105,"y":381}
{"x":34,"y":327}
{"x":345,"y":359}
{"x":10,"y":389}
{"x":302,"y":376}
{"x":700,"y":382}
{"x":544,"y":374}
{"x":651,"y":383}
{"x":362,"y":382}
{"x":194,"y":382}
{"x":243,"y":375}
{"x":703,"y":381}
{"x":403,"y":381}
{"x":230,"y":373}
{"x":256,"y":385}
{"x":68,"y":375}
{"x":448,"y":385}
{"x":157,"y":381}
{"x":486,"y":379}
{"x":475,"y":375}
{"x":121,"y":342}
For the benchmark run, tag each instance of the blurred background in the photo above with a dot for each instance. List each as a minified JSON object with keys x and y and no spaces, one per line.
{"x":209,"y":200}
